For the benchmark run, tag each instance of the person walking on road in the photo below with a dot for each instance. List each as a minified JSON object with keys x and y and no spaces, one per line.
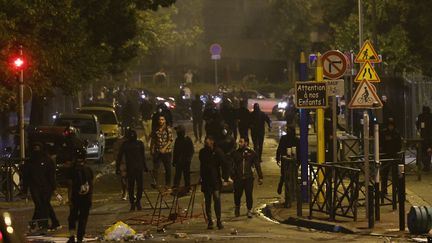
{"x":245,"y":162}
{"x":424,"y":126}
{"x":243,"y":119}
{"x":391,"y":145}
{"x":121,"y":167}
{"x":80,"y":196}
{"x":146,"y":116}
{"x":161,"y":148}
{"x":182,"y":156}
{"x":258,"y":120}
{"x":212,"y":170}
{"x":39,"y":178}
{"x":287,"y":142}
{"x":133,"y":151}
{"x":197,"y":117}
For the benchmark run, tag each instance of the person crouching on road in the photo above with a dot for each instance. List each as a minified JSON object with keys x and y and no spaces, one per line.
{"x":133,"y":150}
{"x":160,"y":147}
{"x":80,"y":196}
{"x":245,"y":162}
{"x":182,"y":156}
{"x":211,"y":164}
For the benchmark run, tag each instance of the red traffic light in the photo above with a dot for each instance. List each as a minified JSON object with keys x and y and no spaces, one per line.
{"x":18,"y":63}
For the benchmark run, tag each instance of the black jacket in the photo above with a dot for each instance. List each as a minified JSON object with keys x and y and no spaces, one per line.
{"x":258,"y":121}
{"x":197,"y":109}
{"x":285,"y":142}
{"x":39,"y":173}
{"x":212,"y":169}
{"x":244,"y":162}
{"x":133,"y":150}
{"x":391,"y":142}
{"x":244,"y":117}
{"x":183,"y":151}
{"x":78,"y":175}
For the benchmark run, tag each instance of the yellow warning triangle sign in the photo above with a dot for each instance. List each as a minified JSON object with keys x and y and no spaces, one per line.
{"x":367,"y":53}
{"x":367,"y":72}
{"x":365,"y":97}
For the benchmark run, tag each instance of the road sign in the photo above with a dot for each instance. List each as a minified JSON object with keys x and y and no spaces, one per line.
{"x":334,"y":63}
{"x":311,"y":95}
{"x":335,"y":87}
{"x":312,"y":60}
{"x":215,"y":49}
{"x":367,"y":53}
{"x":215,"y":57}
{"x":365,"y":97}
{"x":367,"y":72}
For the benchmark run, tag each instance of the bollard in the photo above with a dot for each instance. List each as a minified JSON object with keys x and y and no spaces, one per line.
{"x":371,"y":221}
{"x":377,"y":202}
{"x":401,"y":196}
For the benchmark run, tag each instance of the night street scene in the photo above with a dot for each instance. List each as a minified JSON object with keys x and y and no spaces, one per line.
{"x":215,"y":121}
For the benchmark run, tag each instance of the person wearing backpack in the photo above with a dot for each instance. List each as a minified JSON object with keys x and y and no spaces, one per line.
{"x":182,"y":156}
{"x":80,"y":196}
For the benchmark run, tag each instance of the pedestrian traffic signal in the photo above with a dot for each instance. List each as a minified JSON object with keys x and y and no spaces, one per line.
{"x":18,"y":63}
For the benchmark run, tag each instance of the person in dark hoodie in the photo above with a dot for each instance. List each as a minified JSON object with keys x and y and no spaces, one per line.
{"x":182,"y":156}
{"x":424,"y":126}
{"x":289,"y":140}
{"x":258,"y":121}
{"x":243,"y":120}
{"x":212,"y":169}
{"x":39,"y":178}
{"x":133,"y":150}
{"x":80,"y":196}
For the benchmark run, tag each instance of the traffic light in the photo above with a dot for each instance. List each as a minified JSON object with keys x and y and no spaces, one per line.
{"x":18,"y":63}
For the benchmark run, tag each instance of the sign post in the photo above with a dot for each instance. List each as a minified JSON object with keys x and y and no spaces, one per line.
{"x":365,"y":97}
{"x":215,"y":50}
{"x":304,"y":130}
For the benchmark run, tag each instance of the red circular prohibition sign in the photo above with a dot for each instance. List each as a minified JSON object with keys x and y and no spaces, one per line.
{"x":335,"y":64}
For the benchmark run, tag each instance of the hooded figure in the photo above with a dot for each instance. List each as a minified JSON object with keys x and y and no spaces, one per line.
{"x":133,"y":151}
{"x":39,"y":178}
{"x":259,"y":119}
{"x":424,"y":126}
{"x":182,"y":156}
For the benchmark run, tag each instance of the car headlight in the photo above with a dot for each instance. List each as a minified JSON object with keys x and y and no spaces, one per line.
{"x":282,"y":104}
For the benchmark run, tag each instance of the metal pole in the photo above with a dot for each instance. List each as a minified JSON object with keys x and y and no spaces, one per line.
{"x":334,"y":129}
{"x":401,"y":196}
{"x":320,"y":123}
{"x":377,"y":172}
{"x":216,"y":73}
{"x":351,"y":120}
{"x":366,"y":159}
{"x":360,"y":13}
{"x":21,"y":111}
{"x":304,"y":129}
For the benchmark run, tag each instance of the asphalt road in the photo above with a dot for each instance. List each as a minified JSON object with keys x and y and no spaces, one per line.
{"x":108,"y":208}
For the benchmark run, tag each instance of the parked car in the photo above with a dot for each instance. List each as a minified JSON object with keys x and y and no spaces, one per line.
{"x":108,"y":120}
{"x":89,"y":130}
{"x":267,"y":105}
{"x":53,"y":139}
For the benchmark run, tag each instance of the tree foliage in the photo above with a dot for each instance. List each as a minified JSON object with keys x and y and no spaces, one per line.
{"x":400,"y":29}
{"x":291,"y":33}
{"x":70,"y":43}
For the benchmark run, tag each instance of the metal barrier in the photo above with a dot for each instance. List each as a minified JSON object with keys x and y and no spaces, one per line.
{"x":334,"y":190}
{"x":290,"y":174}
{"x":10,"y":177}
